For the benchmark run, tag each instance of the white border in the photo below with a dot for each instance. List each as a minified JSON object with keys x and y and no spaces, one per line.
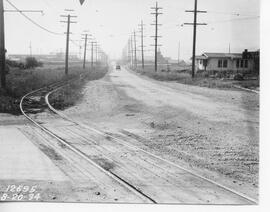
{"x":264,"y":156}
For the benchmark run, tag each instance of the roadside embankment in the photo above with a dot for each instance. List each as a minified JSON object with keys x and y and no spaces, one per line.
{"x":20,"y":82}
{"x":67,"y":96}
{"x":211,"y":131}
{"x":201,"y":79}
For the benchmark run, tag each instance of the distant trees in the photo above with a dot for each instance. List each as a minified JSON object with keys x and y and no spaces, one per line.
{"x":30,"y":63}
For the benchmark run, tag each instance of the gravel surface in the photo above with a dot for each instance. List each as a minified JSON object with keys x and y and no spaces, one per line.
{"x":211,"y":131}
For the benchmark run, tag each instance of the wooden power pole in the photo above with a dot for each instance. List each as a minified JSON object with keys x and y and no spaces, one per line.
{"x":2,"y":46}
{"x":96,"y":59}
{"x":84,"y":54}
{"x":156,"y":13}
{"x":195,"y":11}
{"x":131,"y":50}
{"x":92,"y":53}
{"x":135,"y":50}
{"x":142,"y":43}
{"x":85,"y":48}
{"x":2,"y":38}
{"x":67,"y":39}
{"x":178,"y":58}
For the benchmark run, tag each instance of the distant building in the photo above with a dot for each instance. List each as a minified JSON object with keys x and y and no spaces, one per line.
{"x":160,"y":58}
{"x":236,"y":62}
{"x":255,"y":56}
{"x":43,"y":57}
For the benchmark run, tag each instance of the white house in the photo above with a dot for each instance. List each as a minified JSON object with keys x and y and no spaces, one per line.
{"x":214,"y":62}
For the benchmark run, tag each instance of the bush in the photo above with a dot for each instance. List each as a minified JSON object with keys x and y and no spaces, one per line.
{"x":238,"y":77}
{"x":31,"y":62}
{"x":14,"y":64}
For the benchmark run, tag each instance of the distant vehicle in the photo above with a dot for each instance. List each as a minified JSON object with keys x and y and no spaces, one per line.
{"x":118,"y":67}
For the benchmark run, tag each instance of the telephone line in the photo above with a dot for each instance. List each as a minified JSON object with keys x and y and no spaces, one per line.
{"x":32,"y":21}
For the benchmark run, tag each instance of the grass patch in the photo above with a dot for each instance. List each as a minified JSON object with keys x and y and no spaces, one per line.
{"x":184,"y":76}
{"x":69,"y":95}
{"x":20,"y":82}
{"x":250,"y":84}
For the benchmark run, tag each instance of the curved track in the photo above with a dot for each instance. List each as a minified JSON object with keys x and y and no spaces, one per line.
{"x":35,"y":102}
{"x":151,"y":177}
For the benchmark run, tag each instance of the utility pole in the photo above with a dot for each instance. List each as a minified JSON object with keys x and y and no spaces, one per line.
{"x":30,"y":48}
{"x":142,"y":43}
{"x":96,"y":52}
{"x":80,"y":51}
{"x":2,"y":46}
{"x":156,"y":13}
{"x":195,"y":11}
{"x":92,"y":53}
{"x":99,"y":53}
{"x":135,"y":50}
{"x":178,"y":53}
{"x":67,"y":39}
{"x":128,"y":51}
{"x":2,"y":38}
{"x":85,"y":48}
{"x":131,"y":48}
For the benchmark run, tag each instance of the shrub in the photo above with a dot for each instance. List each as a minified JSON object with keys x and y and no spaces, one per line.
{"x":14,"y":64}
{"x":31,"y":62}
{"x":238,"y":77}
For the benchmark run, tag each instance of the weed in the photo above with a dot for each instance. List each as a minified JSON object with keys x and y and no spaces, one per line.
{"x":20,"y":82}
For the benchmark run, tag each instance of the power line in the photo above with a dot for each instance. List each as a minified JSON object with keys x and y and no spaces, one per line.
{"x":74,"y":43}
{"x":235,"y":19}
{"x":32,"y":21}
{"x":229,"y":13}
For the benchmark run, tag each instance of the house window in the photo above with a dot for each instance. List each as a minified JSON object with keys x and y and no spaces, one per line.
{"x":246,"y":63}
{"x":237,"y":63}
{"x":225,"y":63}
{"x":219,"y":63}
{"x":242,"y":63}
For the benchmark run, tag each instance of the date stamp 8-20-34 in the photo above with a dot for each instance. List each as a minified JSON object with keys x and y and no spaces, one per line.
{"x":20,"y":193}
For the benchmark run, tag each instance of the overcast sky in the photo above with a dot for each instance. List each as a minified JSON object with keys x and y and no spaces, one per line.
{"x":112,"y":21}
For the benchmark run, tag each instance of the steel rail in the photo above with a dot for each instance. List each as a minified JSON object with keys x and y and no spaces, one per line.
{"x":80,"y":153}
{"x":249,"y":199}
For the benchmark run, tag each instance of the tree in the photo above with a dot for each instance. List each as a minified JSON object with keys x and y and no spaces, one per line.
{"x":31,"y":62}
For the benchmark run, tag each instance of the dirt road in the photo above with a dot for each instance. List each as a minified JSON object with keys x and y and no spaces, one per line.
{"x":150,"y":141}
{"x":213,"y":132}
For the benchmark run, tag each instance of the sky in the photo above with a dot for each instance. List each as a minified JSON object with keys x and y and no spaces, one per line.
{"x":111,"y":22}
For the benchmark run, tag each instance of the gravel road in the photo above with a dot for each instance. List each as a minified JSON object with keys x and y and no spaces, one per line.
{"x":213,"y":132}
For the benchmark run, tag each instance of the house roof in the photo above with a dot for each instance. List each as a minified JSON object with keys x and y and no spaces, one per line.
{"x":201,"y":57}
{"x":222,"y":55}
{"x":208,"y":55}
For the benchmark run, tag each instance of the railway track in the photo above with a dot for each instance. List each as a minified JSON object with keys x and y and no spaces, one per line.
{"x":152,"y":178}
{"x":35,"y":102}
